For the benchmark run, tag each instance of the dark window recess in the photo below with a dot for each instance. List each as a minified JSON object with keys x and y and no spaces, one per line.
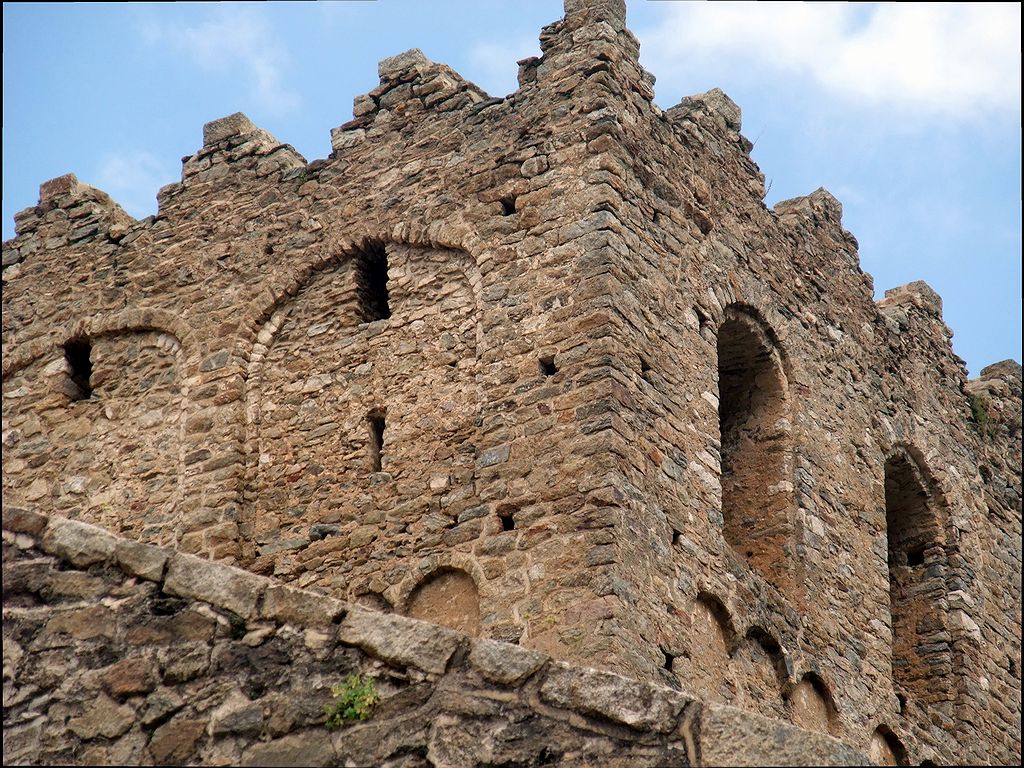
{"x":645,"y":367}
{"x":372,"y":283}
{"x":508,"y":205}
{"x":508,"y":523}
{"x":669,"y":658}
{"x":376,"y":422}
{"x":547,"y":366}
{"x":915,"y":556}
{"x":675,"y":537}
{"x":78,"y":353}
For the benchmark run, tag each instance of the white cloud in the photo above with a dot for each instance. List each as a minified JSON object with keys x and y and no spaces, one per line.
{"x":232,"y":42}
{"x":957,"y":61}
{"x":132,"y":179}
{"x":494,"y":63}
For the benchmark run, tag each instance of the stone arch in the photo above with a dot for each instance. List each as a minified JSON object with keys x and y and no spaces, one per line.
{"x":318,"y":375}
{"x":916,"y":559}
{"x":756,"y":445}
{"x":886,"y":748}
{"x":812,"y":705}
{"x":447,"y":596}
{"x":113,"y":459}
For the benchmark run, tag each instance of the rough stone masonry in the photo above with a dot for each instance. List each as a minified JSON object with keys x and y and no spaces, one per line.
{"x":542,"y":369}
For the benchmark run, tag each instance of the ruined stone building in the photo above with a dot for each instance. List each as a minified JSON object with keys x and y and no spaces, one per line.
{"x":542,"y":369}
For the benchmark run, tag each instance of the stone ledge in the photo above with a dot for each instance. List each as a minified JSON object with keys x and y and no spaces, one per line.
{"x":80,"y":544}
{"x":641,"y":706}
{"x":401,"y":641}
{"x":220,"y":585}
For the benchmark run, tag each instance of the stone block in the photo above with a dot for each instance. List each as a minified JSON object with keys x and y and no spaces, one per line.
{"x":142,"y":560}
{"x":22,"y":520}
{"x":104,"y":717}
{"x":399,"y":641}
{"x":62,"y":185}
{"x":729,"y":736}
{"x":236,"y":715}
{"x":175,"y":741}
{"x":220,"y":585}
{"x":394,"y":66}
{"x":504,"y":663}
{"x":225,"y":128}
{"x":129,"y":677}
{"x":641,"y":706}
{"x":78,"y":543}
{"x":295,"y":606}
{"x":310,"y":748}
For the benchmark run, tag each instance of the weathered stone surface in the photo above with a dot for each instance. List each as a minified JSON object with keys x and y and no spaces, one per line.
{"x":638,"y":705}
{"x":142,"y":560}
{"x":544,"y":368}
{"x":79,"y":543}
{"x":297,"y":749}
{"x":729,"y":736}
{"x":236,"y":715}
{"x":174,"y":742}
{"x":105,"y":718}
{"x":503,"y":663}
{"x":221,"y":585}
{"x":399,"y":640}
{"x":228,"y":127}
{"x":130,"y":677}
{"x":287,"y":604}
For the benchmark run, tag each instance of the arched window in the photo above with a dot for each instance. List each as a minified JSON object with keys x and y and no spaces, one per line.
{"x":754,"y":420}
{"x":921,"y":656}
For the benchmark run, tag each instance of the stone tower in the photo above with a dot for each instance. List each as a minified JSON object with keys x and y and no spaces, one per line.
{"x":546,"y":370}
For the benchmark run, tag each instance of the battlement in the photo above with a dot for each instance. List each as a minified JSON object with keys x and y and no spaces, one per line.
{"x":544,"y":370}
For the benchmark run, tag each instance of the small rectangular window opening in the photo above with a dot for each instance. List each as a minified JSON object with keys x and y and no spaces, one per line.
{"x":78,"y":353}
{"x":508,"y":523}
{"x":376,"y":422}
{"x":547,"y":366}
{"x":508,"y":205}
{"x":915,"y":556}
{"x":372,"y":283}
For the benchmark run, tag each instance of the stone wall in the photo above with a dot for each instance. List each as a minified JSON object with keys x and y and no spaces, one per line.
{"x":547,"y":370}
{"x":117,"y":652}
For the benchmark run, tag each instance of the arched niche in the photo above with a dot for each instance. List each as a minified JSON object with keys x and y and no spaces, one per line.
{"x":754,"y":422}
{"x":93,"y":431}
{"x":886,"y":748}
{"x":449,"y":597}
{"x":812,"y":706}
{"x":758,"y":669}
{"x":711,"y":637}
{"x":921,"y":653}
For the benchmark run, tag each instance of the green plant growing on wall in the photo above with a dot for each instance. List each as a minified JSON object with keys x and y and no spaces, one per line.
{"x":354,"y":699}
{"x":979,"y":413}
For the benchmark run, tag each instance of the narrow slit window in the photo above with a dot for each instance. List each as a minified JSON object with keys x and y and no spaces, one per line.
{"x":372,"y":283}
{"x":78,"y":353}
{"x":547,"y":366}
{"x":376,"y":422}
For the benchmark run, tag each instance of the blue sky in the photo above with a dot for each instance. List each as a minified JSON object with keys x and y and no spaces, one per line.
{"x":909,"y":114}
